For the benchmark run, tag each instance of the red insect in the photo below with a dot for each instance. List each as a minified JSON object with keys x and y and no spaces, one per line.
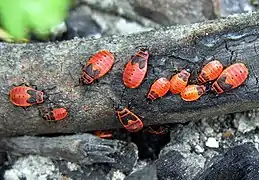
{"x":210,"y":71}
{"x":98,"y":65}
{"x":232,"y":77}
{"x":179,"y":81}
{"x":136,"y":69}
{"x":193,"y":92}
{"x":103,"y":134}
{"x":129,"y":120}
{"x":56,"y":114}
{"x":159,"y":88}
{"x":25,"y":96}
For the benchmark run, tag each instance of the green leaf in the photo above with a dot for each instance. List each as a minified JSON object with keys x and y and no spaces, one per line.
{"x":20,"y":16}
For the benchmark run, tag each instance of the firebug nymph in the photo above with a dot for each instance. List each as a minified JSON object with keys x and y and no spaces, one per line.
{"x":231,"y":77}
{"x":98,"y":65}
{"x":179,"y":81}
{"x":56,"y":114}
{"x":25,"y":96}
{"x":159,"y":88}
{"x":193,"y":92}
{"x":129,"y":120}
{"x":210,"y":71}
{"x":136,"y":69}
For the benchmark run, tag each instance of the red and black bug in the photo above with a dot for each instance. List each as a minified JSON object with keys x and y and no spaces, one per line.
{"x":232,"y":77}
{"x":159,"y":88}
{"x":129,"y":120}
{"x":210,"y":71}
{"x":98,"y":65}
{"x":179,"y":81}
{"x":25,"y":96}
{"x":136,"y":69}
{"x":193,"y":92}
{"x":55,"y":114}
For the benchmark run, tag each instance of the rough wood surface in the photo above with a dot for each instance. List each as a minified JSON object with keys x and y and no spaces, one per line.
{"x":47,"y":64}
{"x":83,"y":149}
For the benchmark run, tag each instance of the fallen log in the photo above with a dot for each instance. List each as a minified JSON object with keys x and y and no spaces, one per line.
{"x":234,"y":39}
{"x":83,"y":149}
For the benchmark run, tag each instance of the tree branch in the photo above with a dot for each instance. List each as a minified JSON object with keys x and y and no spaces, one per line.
{"x":48,"y":64}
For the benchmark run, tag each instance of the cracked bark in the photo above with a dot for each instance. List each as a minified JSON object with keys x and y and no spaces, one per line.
{"x":47,"y":64}
{"x":83,"y":149}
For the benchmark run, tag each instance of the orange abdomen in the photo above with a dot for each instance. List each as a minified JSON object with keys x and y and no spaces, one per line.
{"x":193,"y":92}
{"x":19,"y":96}
{"x":232,"y":77}
{"x":103,"y":134}
{"x":132,"y":76}
{"x":98,"y":65}
{"x":179,"y":81}
{"x":159,"y":88}
{"x":210,"y":71}
{"x":59,"y":113}
{"x":135,"y":70}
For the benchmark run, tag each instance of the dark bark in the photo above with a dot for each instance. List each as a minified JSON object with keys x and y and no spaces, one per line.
{"x":47,"y":64}
{"x":83,"y":149}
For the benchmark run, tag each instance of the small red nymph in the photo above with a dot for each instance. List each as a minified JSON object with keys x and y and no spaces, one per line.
{"x":98,"y":65}
{"x":56,"y":114}
{"x":210,"y":71}
{"x":232,"y":77}
{"x":129,"y":120}
{"x":103,"y":134}
{"x":159,"y":88}
{"x":179,"y":81}
{"x":193,"y":92}
{"x":136,"y":69}
{"x":25,"y":96}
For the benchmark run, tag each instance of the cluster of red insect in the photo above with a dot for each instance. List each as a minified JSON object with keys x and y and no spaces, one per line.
{"x":25,"y":96}
{"x":133,"y":75}
{"x":98,"y":65}
{"x":225,"y":80}
{"x":135,"y":72}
